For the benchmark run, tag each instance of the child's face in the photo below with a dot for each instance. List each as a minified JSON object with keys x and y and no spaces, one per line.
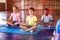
{"x":14,"y":9}
{"x":31,"y":12}
{"x":46,"y":12}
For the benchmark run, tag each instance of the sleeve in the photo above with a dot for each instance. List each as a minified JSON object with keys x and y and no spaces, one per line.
{"x":42,"y":17}
{"x":35,"y":19}
{"x":51,"y":18}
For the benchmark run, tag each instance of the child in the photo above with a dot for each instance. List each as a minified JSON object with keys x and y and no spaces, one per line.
{"x":30,"y":21}
{"x":46,"y":18}
{"x":15,"y":16}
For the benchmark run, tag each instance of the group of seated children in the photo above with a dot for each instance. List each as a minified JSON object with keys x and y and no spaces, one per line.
{"x":31,"y":19}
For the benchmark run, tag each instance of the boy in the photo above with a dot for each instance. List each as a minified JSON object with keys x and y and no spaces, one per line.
{"x":31,"y":20}
{"x":46,"y":18}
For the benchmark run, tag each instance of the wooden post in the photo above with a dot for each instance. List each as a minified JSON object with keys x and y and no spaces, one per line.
{"x":22,"y":4}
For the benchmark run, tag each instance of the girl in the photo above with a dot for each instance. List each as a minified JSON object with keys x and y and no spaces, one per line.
{"x":15,"y":16}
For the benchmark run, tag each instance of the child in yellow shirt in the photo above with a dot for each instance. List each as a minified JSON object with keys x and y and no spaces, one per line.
{"x":31,"y":20}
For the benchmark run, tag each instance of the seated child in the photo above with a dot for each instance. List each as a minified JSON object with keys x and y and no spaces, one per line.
{"x":30,"y":21}
{"x":15,"y":16}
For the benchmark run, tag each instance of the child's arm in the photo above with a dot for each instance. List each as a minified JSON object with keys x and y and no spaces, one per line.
{"x":42,"y":18}
{"x":7,"y":19}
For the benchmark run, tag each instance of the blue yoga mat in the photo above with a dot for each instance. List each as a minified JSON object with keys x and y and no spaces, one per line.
{"x":14,"y":29}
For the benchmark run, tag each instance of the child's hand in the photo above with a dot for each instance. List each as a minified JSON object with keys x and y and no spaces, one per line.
{"x":3,"y":19}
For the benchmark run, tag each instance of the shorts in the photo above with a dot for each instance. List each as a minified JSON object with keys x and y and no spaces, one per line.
{"x":15,"y":22}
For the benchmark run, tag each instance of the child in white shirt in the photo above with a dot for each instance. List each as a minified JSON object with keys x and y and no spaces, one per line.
{"x":46,"y":18}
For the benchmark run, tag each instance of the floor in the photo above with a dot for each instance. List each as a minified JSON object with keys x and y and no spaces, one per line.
{"x":42,"y":35}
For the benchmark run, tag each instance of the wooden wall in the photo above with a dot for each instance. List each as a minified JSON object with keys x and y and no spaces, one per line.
{"x":38,"y":5}
{"x":2,"y":6}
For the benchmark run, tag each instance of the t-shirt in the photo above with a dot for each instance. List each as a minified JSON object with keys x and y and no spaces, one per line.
{"x":46,"y":19}
{"x":15,"y":16}
{"x":31,"y":20}
{"x":58,"y":26}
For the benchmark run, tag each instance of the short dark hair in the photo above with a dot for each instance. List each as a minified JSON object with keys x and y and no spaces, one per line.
{"x":15,"y":6}
{"x":31,"y":8}
{"x":46,"y":9}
